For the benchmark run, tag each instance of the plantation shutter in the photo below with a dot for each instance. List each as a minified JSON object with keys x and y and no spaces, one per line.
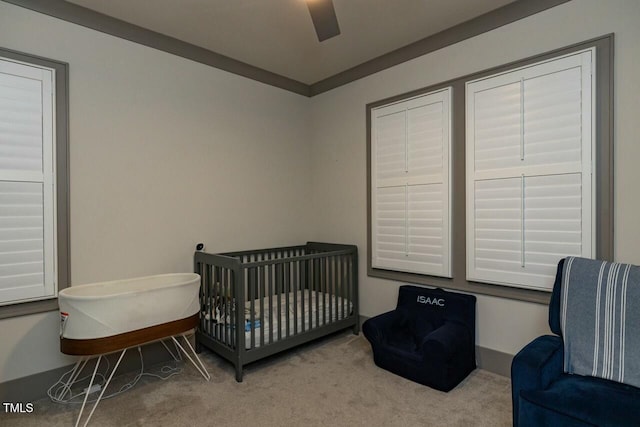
{"x":26,"y":183}
{"x":529,"y":171}
{"x":410,"y":185}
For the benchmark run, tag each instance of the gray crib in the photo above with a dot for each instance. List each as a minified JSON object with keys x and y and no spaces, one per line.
{"x":258,"y":303}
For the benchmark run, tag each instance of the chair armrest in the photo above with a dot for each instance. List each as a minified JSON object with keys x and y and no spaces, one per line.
{"x":535,"y":367}
{"x":445,"y":341}
{"x":377,"y":328}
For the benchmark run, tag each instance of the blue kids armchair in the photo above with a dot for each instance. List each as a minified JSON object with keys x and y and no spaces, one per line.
{"x":587,"y":374}
{"x":429,"y":338}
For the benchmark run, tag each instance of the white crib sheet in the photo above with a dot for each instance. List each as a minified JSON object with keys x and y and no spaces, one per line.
{"x":329,"y":309}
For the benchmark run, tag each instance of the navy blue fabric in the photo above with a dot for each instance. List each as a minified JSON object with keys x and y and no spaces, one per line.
{"x":545,"y":396}
{"x":429,"y":338}
{"x":554,"y":304}
{"x":532,"y":414}
{"x":595,"y":401}
{"x":535,"y":367}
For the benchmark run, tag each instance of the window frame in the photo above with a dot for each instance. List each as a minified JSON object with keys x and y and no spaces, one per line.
{"x":61,"y":195}
{"x":603,"y":154}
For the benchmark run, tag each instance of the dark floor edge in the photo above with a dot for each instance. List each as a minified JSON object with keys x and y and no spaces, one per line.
{"x":484,"y":23}
{"x":79,"y":15}
{"x":34,"y":387}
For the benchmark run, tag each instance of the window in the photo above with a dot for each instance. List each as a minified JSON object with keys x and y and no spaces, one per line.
{"x":410,"y":166}
{"x":568,"y":181}
{"x":529,"y":171}
{"x":33,"y":206}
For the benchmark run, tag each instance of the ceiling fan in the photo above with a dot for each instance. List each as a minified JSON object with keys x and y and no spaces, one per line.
{"x":324,"y":18}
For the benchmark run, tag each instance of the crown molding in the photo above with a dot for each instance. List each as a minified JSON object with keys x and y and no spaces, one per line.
{"x":85,"y":17}
{"x":481,"y":24}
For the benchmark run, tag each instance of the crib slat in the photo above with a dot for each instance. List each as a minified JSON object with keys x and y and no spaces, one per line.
{"x":322,"y":286}
{"x":233,"y":306}
{"x":215,"y":301}
{"x":252,"y":305}
{"x":204,"y":297}
{"x":332,"y":283}
{"x":317,"y":273}
{"x":224,"y":306}
{"x":208,"y":270}
{"x":325,"y":286}
{"x":287,"y":292}
{"x":343,"y":284}
{"x":279,"y":285}
{"x":270,"y":285}
{"x":304,"y":285}
{"x":347,"y":286}
{"x":339,"y":289}
{"x":350,"y":285}
{"x":309,"y":299}
{"x":228,"y":298}
{"x":261,"y":296}
{"x":296,"y":277}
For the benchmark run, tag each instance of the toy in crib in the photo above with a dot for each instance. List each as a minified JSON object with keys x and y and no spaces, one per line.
{"x":224,"y":312}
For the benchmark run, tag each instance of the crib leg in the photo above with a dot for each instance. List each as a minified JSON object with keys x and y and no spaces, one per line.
{"x":356,"y":329}
{"x":239,"y":373}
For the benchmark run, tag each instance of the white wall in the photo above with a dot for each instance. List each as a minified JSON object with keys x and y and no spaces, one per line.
{"x":164,"y":153}
{"x":339,"y":144}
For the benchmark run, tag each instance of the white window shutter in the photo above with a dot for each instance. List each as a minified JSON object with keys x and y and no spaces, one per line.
{"x":529,"y":171}
{"x":27,"y":233}
{"x":389,"y":228}
{"x":426,"y":233}
{"x":553,"y":119}
{"x":410,"y":185}
{"x":497,"y":128}
{"x":391,"y":146}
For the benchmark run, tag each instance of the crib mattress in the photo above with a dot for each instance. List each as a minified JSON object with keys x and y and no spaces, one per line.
{"x":329,"y":308}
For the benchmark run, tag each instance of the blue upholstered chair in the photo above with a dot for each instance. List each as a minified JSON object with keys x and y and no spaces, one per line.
{"x":429,"y":338}
{"x":544,"y":395}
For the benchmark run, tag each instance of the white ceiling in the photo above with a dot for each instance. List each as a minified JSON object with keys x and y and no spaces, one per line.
{"x":278,"y":35}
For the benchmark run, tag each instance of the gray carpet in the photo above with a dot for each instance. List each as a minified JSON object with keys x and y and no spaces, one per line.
{"x":331,"y":382}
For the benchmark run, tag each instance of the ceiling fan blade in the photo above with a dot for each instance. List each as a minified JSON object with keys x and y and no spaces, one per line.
{"x":324,"y":18}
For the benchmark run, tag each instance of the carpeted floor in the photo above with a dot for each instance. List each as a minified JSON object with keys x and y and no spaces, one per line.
{"x":331,"y":382}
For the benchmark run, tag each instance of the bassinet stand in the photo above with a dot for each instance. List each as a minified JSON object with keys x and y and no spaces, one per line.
{"x":100,"y":347}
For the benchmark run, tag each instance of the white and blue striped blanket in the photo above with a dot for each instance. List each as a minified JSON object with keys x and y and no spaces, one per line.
{"x":600,"y":319}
